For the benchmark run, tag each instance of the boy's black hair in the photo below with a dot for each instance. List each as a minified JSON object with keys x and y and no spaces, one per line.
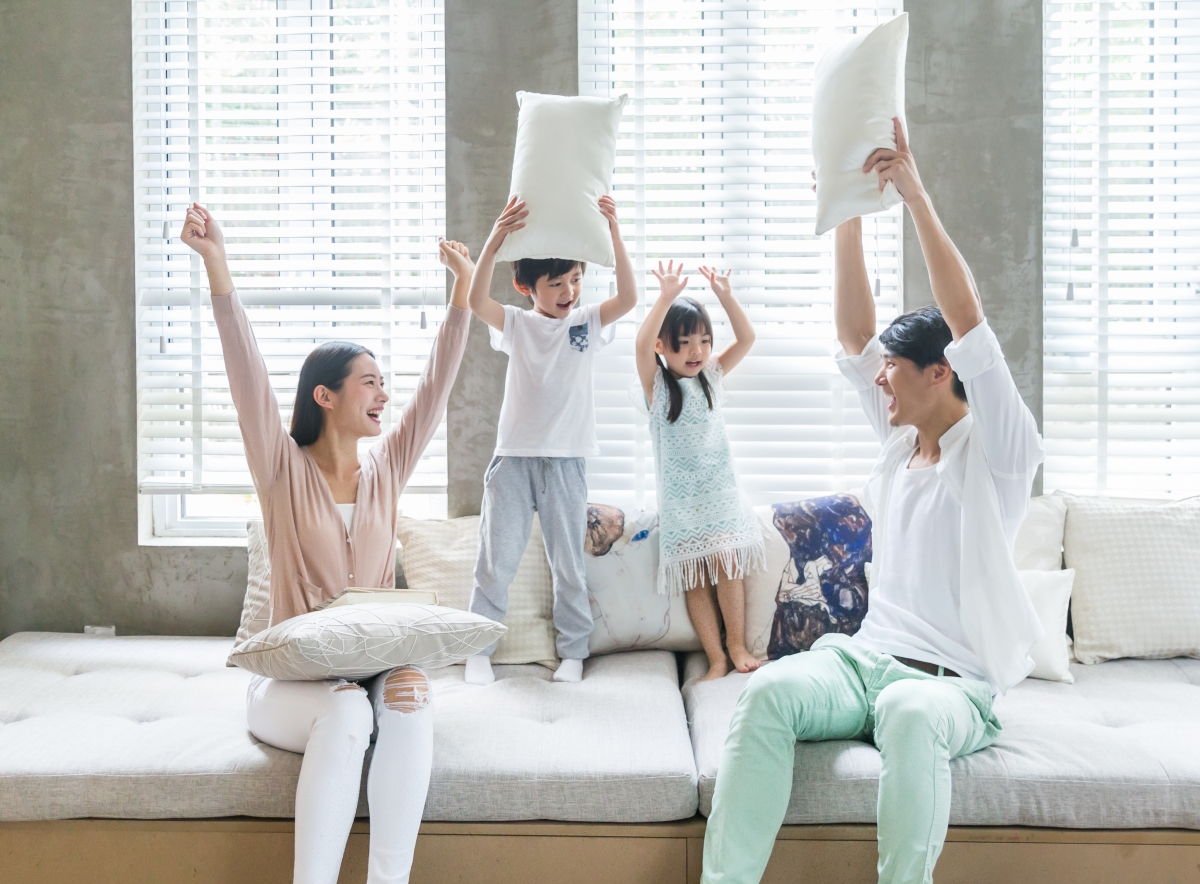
{"x":921,"y":337}
{"x":528,"y":271}
{"x":684,"y":317}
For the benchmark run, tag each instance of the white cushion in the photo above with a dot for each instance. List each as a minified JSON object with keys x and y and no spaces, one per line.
{"x":806,"y":589}
{"x":355,"y":641}
{"x":1114,"y":750}
{"x":858,"y":89}
{"x":622,"y":572}
{"x":563,"y":163}
{"x":256,"y":610}
{"x":1137,"y":578}
{"x":439,"y":555}
{"x":1039,"y":541}
{"x":1050,"y":592}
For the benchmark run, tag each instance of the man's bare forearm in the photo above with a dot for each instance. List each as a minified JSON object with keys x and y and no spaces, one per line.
{"x":853,"y":305}
{"x":949,"y":276}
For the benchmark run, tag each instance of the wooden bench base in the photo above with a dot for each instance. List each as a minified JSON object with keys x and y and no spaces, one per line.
{"x":252,"y":851}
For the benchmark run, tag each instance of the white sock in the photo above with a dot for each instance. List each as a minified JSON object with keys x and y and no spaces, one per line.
{"x":479,"y":670}
{"x":569,"y":670}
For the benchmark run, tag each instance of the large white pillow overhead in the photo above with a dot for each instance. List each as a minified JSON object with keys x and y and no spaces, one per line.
{"x":357,"y":641}
{"x":563,"y":163}
{"x":858,"y":89}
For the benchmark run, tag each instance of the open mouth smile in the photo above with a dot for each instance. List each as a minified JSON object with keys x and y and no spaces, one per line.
{"x":375,"y":414}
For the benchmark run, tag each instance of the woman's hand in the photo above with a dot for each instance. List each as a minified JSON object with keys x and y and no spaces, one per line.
{"x":202,"y":234}
{"x":898,"y":167}
{"x":512,"y":218}
{"x":456,"y":257}
{"x":671,"y":285}
{"x":719,"y":282}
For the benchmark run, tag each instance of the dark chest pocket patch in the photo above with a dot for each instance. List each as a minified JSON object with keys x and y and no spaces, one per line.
{"x":579,"y":337}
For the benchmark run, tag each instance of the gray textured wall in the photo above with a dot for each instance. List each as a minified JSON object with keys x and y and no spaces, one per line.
{"x":492,"y":51}
{"x":69,"y":551}
{"x":974,"y":106}
{"x":68,"y":531}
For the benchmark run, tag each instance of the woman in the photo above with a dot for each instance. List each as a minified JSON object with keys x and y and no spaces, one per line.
{"x":330,"y":522}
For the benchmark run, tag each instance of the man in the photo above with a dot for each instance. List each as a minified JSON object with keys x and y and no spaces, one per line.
{"x":948,"y":623}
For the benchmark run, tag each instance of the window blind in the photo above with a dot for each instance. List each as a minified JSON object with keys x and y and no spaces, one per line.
{"x":313,"y":130}
{"x":1122,"y":247}
{"x":713,"y":166}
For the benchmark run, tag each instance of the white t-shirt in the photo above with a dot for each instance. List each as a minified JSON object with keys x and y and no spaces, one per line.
{"x":914,"y":607}
{"x":347,"y":511}
{"x":548,"y":408}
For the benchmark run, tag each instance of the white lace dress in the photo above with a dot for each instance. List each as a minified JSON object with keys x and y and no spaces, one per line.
{"x":705,"y":523}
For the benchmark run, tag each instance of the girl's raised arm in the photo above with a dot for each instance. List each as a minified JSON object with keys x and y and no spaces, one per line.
{"x":743,"y":331}
{"x":670,"y":287}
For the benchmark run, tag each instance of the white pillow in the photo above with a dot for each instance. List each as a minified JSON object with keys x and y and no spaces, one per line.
{"x":356,"y":641}
{"x":1050,"y":592}
{"x":621,"y":561}
{"x":256,"y":610}
{"x":563,"y":163}
{"x":858,"y":89}
{"x":1039,"y":540}
{"x":1137,"y":578}
{"x":439,"y":555}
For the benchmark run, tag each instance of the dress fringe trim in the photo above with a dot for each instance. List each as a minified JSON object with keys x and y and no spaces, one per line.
{"x":679,"y":576}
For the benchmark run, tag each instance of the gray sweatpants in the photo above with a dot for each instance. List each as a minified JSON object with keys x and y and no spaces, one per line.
{"x":513,"y":489}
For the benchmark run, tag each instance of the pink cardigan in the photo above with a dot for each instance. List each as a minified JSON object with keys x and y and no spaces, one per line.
{"x":313,"y":555}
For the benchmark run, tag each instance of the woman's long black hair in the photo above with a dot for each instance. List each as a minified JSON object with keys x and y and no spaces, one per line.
{"x":684,"y":317}
{"x":326,"y":366}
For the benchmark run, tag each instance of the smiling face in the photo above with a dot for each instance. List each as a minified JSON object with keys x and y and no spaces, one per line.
{"x":555,"y":296}
{"x":913,"y":393}
{"x":357,"y":408}
{"x":695,"y":351}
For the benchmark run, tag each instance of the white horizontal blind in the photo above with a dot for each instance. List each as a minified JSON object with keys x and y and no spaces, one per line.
{"x":313,"y":130}
{"x":1122,"y":247}
{"x":713,"y":166}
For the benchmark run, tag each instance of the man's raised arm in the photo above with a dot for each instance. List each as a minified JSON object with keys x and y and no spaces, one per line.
{"x":949,"y":276}
{"x":853,"y":305}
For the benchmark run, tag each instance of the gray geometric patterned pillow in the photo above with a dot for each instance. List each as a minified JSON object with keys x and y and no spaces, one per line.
{"x":356,"y":641}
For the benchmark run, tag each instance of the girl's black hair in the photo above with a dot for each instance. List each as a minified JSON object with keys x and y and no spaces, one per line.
{"x":922,"y":337}
{"x":326,"y":366}
{"x":684,"y":317}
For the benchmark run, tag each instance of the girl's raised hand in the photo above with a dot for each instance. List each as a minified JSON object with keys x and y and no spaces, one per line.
{"x":455,"y":256}
{"x":719,"y":281}
{"x":669,"y":280}
{"x":202,"y":234}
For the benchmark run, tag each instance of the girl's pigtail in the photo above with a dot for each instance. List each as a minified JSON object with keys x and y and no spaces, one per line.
{"x":673,"y":389}
{"x":706,"y":387}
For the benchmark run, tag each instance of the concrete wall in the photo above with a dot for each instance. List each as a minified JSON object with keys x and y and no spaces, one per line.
{"x":69,"y":551}
{"x":492,"y":51}
{"x":974,"y":107}
{"x":68,"y":516}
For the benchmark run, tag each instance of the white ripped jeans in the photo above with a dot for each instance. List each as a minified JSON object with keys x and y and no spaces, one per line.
{"x":332,"y":723}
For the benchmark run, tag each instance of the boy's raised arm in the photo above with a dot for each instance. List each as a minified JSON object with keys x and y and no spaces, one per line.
{"x":479,"y":297}
{"x":626,"y":297}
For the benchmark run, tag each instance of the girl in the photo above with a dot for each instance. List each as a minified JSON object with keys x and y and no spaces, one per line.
{"x":708,"y":534}
{"x":330,"y":521}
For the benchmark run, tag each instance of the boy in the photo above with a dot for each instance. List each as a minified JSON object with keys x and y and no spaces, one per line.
{"x":547,"y":429}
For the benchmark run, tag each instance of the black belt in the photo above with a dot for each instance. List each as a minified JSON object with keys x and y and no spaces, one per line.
{"x":930,"y":668}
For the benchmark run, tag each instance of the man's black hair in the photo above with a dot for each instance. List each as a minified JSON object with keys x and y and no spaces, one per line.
{"x":921,"y":337}
{"x":528,"y":271}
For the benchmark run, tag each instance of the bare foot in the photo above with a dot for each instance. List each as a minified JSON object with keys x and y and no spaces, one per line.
{"x":719,"y":669}
{"x":742,"y":660}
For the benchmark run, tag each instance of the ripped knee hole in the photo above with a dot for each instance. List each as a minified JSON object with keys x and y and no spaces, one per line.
{"x":347,"y":686}
{"x":406,"y":690}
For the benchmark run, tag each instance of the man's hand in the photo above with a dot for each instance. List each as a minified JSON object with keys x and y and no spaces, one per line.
{"x":671,"y":285}
{"x":512,"y":218}
{"x":898,"y":167}
{"x":719,"y":282}
{"x":608,"y":208}
{"x":202,"y":234}
{"x":456,"y":257}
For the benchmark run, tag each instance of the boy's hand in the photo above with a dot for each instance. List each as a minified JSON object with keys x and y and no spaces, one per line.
{"x":608,"y":208}
{"x":455,"y":256}
{"x":719,"y":282}
{"x":202,"y":234}
{"x":669,"y":280}
{"x":898,"y":167}
{"x":512,"y":218}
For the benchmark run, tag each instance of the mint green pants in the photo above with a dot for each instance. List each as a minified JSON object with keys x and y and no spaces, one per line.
{"x":841,"y":691}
